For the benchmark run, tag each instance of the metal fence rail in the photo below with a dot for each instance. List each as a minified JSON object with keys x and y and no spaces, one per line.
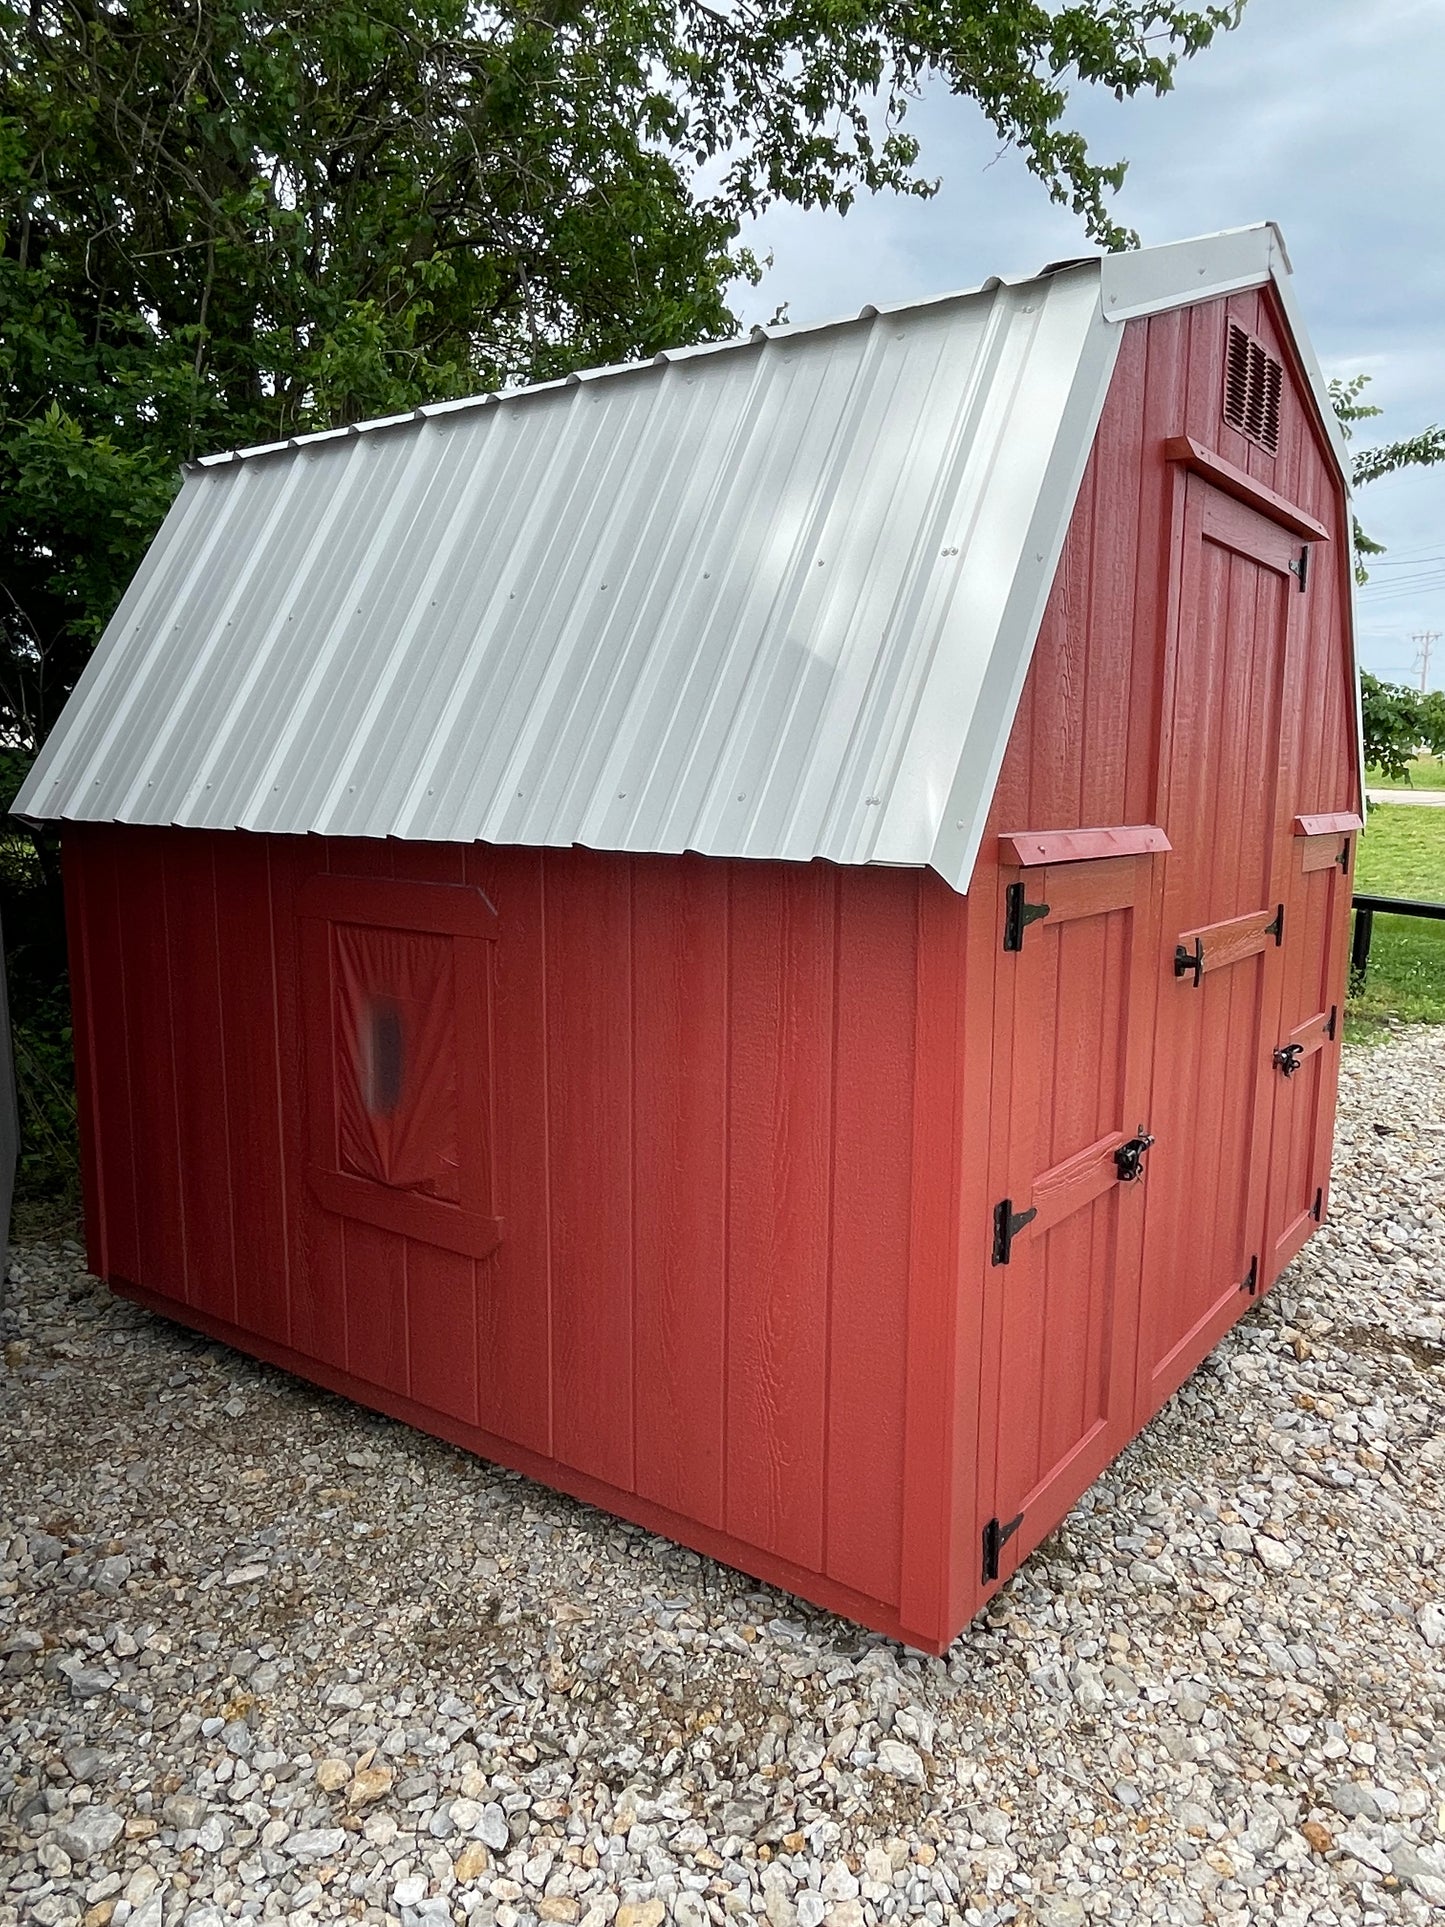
{"x":1365,"y":908}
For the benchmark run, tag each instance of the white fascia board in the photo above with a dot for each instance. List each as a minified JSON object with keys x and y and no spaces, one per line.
{"x":960,"y":835}
{"x":1153,"y":280}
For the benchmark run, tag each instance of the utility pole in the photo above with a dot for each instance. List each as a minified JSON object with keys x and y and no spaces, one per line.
{"x":1424,"y":643}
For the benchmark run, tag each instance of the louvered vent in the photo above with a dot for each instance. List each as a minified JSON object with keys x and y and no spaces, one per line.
{"x":1252,"y":383}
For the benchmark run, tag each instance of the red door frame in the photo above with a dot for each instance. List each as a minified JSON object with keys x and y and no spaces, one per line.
{"x":1200,"y":513}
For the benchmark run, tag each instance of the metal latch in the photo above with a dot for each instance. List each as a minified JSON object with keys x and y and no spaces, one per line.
{"x":1187,"y":960}
{"x":1288,"y":1057}
{"x":1129,"y":1158}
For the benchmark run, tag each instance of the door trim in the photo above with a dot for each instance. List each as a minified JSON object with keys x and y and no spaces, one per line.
{"x":1239,"y":483}
{"x":1204,"y":512}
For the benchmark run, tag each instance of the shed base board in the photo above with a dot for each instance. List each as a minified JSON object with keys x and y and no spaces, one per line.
{"x":814,"y":1588}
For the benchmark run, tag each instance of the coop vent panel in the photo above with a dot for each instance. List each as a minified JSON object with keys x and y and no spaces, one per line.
{"x":1252,"y":383}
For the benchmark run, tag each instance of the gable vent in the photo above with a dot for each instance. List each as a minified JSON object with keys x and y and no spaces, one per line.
{"x":1252,"y":383}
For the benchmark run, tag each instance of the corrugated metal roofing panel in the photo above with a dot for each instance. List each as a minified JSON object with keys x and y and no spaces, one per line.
{"x":773,"y":598}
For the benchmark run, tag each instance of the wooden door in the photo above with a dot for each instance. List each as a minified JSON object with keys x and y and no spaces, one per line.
{"x":1306,"y":1054}
{"x":1222,"y":937}
{"x":1063,"y":1284}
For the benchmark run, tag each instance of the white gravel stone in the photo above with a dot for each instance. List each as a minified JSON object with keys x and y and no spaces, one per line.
{"x":244,"y":1575}
{"x":491,"y":1827}
{"x":1273,"y":1553}
{"x":432,"y":1692}
{"x":321,"y":1843}
{"x":901,"y":1761}
{"x":93,"y":1831}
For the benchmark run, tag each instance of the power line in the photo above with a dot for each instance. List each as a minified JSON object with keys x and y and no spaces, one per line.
{"x":1401,"y":591}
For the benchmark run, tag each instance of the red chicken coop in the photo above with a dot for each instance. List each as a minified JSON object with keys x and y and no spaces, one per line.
{"x":758,"y":936}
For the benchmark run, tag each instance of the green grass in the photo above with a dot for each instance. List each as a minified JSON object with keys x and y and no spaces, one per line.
{"x":1424,"y":773}
{"x":1402,"y":854}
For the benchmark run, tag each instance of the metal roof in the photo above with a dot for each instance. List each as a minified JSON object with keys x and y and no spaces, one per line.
{"x":774,"y":598}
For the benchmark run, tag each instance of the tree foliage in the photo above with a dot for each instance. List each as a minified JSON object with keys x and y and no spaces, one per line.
{"x":235,"y":222}
{"x":1399,"y":722}
{"x":1385,"y":458}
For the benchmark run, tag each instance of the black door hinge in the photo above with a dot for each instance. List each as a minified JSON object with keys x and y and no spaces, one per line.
{"x":1250,"y":1281}
{"x":1007,"y":1223}
{"x":1187,"y":960}
{"x":1332,"y":1021}
{"x":1301,"y":568}
{"x":995,"y":1538}
{"x":1276,"y":929}
{"x":1343,"y":859}
{"x":1287,"y":1059}
{"x":1317,"y":1209}
{"x":1018,"y":914}
{"x":1129,"y":1158}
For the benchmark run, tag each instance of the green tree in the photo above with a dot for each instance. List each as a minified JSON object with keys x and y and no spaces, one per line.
{"x":1397,"y":721}
{"x":240,"y":221}
{"x":1424,"y":450}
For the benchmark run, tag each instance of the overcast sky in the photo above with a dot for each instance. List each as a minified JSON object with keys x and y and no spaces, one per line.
{"x":1323,"y":115}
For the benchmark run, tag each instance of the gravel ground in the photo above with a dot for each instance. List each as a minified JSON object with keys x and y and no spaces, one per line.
{"x":266,"y":1656}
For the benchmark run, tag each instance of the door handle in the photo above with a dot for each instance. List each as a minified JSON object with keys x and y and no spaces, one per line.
{"x":1287,"y":1059}
{"x":1129,"y":1158}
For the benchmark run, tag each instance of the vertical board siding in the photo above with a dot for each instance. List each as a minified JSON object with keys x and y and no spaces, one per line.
{"x":780,"y":1020}
{"x":680,"y":1080}
{"x":318,"y":1256}
{"x":513,"y":1306}
{"x":874,"y":1091}
{"x":246,"y":1026}
{"x":588,"y":909}
{"x":202,"y":1109}
{"x":702,"y":1118}
{"x":284,"y":1018}
{"x":373,"y":1285}
{"x":82,"y":1001}
{"x":953,"y":1044}
{"x":96,"y":934}
{"x":149,"y":1019}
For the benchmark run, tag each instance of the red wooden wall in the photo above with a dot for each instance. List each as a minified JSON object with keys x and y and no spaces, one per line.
{"x":718,"y":1153}
{"x":745,"y":1124}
